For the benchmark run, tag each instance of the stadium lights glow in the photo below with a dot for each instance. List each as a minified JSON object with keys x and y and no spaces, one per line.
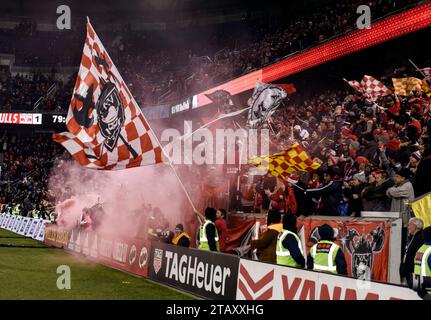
{"x":395,"y":26}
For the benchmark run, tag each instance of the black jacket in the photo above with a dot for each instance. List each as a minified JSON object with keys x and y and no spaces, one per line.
{"x":422,"y":179}
{"x":355,"y":205}
{"x":331,"y":197}
{"x":408,"y":263}
{"x":211,"y":231}
{"x":183,"y":242}
{"x":375,"y":196}
{"x":291,"y":244}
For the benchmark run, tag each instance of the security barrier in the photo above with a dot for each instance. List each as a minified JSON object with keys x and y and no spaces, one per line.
{"x":203,"y":273}
{"x":264,"y":281}
{"x":28,"y":227}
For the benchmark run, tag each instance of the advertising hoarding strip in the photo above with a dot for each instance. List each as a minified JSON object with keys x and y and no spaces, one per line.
{"x":203,"y":273}
{"x":298,"y":284}
{"x":129,"y":255}
{"x":23,"y":226}
{"x":264,"y":296}
{"x":234,"y":86}
{"x":214,"y":275}
{"x":256,"y":286}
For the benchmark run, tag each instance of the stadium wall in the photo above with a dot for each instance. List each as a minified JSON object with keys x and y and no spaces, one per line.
{"x":206,"y":274}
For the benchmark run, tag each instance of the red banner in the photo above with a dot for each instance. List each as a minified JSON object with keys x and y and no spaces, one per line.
{"x":239,"y":225}
{"x":365,"y":245}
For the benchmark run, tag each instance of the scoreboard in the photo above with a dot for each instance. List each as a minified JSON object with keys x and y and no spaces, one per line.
{"x":55,"y":121}
{"x":21,"y":118}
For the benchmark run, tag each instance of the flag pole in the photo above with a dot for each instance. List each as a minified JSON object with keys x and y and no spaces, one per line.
{"x":239,"y":166}
{"x":175,"y":172}
{"x":419,"y":70}
{"x":188,"y":136}
{"x":223,"y":116}
{"x":270,"y":125}
{"x":168,"y":158}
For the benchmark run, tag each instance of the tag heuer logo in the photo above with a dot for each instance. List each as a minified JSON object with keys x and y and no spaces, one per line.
{"x":157,"y":261}
{"x":143,"y":257}
{"x":132,"y":255}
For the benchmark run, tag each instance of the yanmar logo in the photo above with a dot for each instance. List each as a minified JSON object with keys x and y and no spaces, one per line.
{"x":304,"y":289}
{"x":280,"y":283}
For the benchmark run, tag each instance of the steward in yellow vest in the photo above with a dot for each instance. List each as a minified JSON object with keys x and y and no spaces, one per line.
{"x":208,"y":236}
{"x":423,"y":265}
{"x":181,"y":238}
{"x":16,"y":210}
{"x":326,"y":255}
{"x":289,"y":248}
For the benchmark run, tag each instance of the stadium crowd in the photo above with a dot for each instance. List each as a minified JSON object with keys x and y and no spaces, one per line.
{"x":24,"y":175}
{"x":163,"y":75}
{"x":28,"y":93}
{"x":372,"y":158}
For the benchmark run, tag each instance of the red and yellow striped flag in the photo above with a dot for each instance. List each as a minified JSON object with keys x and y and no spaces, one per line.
{"x":425,"y":87}
{"x":283,"y":163}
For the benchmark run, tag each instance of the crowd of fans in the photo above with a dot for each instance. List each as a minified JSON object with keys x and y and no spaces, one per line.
{"x":24,"y":174}
{"x":36,"y":92}
{"x":372,"y":156}
{"x":160,"y":74}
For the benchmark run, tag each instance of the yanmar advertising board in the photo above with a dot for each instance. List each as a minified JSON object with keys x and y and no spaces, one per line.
{"x":264,"y":281}
{"x":203,"y":273}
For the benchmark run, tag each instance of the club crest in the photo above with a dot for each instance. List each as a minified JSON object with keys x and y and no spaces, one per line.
{"x":362,"y":249}
{"x":110,"y":115}
{"x":157,"y":260}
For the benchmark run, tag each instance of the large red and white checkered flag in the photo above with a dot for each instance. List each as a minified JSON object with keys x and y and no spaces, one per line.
{"x":370,"y":88}
{"x":107,"y":129}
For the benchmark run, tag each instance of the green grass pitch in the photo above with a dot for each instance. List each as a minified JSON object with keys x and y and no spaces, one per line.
{"x":28,"y":271}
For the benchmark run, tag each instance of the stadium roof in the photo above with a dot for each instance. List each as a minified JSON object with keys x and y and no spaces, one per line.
{"x":110,"y":11}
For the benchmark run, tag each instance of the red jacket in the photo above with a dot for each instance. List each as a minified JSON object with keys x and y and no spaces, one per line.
{"x":222,"y":232}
